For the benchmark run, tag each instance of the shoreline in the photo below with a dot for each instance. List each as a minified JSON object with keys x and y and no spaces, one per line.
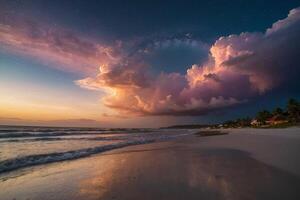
{"x":240,"y":165}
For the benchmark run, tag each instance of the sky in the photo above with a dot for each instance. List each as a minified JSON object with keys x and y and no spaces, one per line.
{"x":145,"y":63}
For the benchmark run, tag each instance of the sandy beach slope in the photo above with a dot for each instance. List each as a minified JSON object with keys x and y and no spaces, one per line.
{"x":246,"y":164}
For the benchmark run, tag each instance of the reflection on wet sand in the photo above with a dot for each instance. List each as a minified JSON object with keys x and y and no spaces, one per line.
{"x":167,"y":170}
{"x":99,"y":181}
{"x":181,"y":172}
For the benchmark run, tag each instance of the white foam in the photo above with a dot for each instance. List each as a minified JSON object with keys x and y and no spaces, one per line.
{"x":31,"y":160}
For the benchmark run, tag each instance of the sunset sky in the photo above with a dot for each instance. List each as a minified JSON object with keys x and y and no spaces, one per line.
{"x":145,"y":63}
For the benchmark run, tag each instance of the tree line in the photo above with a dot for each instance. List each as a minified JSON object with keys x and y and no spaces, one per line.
{"x":289,"y":115}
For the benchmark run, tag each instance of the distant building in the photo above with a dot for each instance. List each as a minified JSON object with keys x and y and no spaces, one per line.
{"x":254,"y":122}
{"x":277,"y":119}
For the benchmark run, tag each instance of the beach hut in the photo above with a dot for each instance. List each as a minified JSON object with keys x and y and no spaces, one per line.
{"x":277,"y":119}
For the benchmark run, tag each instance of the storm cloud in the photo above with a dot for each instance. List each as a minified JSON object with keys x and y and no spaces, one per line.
{"x":238,"y":68}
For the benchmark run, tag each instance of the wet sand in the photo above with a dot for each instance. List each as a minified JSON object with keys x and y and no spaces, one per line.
{"x":241,"y":165}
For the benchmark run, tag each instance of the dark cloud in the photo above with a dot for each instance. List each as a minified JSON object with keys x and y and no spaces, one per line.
{"x":240,"y":67}
{"x":146,"y":75}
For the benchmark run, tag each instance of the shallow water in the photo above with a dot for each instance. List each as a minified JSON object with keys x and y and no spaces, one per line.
{"x":187,"y":168}
{"x":28,"y":146}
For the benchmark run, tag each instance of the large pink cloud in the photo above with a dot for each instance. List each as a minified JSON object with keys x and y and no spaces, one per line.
{"x":239,"y":67}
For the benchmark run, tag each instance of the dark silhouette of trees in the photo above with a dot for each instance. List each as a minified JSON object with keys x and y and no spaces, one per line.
{"x":263,"y":116}
{"x":277,"y":111}
{"x":240,"y":122}
{"x":293,"y":110}
{"x":288,"y":116}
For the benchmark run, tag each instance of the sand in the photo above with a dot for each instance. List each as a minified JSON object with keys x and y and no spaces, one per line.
{"x":246,"y":164}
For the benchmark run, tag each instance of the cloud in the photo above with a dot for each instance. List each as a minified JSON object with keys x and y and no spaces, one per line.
{"x":169,"y":54}
{"x":54,"y":46}
{"x":281,"y":25}
{"x":239,"y":68}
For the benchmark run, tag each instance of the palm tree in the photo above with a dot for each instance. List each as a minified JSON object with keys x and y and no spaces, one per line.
{"x":263,"y":116}
{"x":293,"y":110}
{"x":277,"y":111}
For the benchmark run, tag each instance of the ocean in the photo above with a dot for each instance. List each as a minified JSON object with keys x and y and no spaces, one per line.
{"x":23,"y":146}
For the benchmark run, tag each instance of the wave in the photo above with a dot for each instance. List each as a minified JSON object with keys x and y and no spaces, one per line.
{"x":66,"y":133}
{"x":20,"y":129}
{"x":45,"y":129}
{"x":32,"y":160}
{"x":37,"y":139}
{"x":113,"y":137}
{"x":22,"y":135}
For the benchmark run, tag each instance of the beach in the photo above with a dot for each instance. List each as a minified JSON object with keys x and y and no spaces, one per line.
{"x":244,"y":164}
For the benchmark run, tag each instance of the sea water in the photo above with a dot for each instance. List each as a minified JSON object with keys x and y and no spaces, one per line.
{"x":27,"y":146}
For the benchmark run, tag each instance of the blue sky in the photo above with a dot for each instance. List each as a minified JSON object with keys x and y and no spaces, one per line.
{"x":48,"y":46}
